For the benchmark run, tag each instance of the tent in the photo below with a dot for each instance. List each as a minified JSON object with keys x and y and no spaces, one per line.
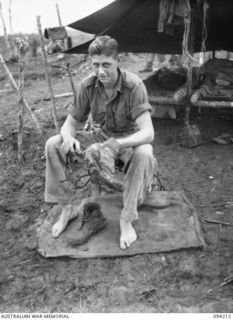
{"x":134,"y":23}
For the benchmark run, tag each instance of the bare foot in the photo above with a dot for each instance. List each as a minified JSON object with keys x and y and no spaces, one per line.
{"x":66,"y":215}
{"x":128,"y":234}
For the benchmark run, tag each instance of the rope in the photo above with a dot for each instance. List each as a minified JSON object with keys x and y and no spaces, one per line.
{"x":204,"y":29}
{"x":185,"y":52}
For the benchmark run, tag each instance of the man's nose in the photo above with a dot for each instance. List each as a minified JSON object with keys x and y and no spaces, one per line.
{"x":101,"y":70}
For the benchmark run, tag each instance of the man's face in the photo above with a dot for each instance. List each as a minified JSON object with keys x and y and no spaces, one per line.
{"x":105,"y":68}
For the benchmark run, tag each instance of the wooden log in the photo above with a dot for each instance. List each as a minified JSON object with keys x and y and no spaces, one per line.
{"x":15,"y":86}
{"x":213,"y":104}
{"x":60,"y":95}
{"x":54,"y":111}
{"x":164,"y":100}
{"x":199,"y":103}
{"x":63,"y":95}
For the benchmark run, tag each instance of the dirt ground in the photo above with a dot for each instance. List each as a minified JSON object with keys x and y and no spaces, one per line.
{"x":186,"y":281}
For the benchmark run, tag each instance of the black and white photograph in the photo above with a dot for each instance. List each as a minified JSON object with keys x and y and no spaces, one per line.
{"x":116,"y":159}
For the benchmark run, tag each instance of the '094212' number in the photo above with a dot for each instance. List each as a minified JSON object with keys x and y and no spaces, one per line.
{"x":222,"y":316}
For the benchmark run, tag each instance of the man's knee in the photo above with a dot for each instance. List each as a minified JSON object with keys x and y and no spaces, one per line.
{"x":53,"y":143}
{"x":144,"y":150}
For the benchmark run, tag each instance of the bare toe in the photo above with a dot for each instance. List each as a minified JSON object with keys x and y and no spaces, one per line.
{"x":128,"y":234}
{"x":122,"y":244}
{"x":57,"y":230}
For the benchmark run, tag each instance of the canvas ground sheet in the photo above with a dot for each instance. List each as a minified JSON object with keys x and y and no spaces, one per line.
{"x":167,"y":222}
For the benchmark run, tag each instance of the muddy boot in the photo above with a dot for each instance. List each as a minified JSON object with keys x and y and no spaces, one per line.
{"x":92,"y":222}
{"x":101,"y":159}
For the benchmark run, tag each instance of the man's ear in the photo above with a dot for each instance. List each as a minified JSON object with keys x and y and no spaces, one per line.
{"x":119,"y":58}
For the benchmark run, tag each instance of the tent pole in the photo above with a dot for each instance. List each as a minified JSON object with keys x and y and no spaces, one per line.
{"x":60,"y":22}
{"x":192,"y":134}
{"x":189,"y":66}
{"x":58,"y":15}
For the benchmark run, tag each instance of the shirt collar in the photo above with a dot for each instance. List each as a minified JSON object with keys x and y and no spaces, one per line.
{"x":118,"y":86}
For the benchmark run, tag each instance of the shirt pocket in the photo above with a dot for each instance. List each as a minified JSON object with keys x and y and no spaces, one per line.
{"x":122,"y":114}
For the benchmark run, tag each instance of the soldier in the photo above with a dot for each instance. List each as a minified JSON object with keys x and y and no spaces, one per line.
{"x":118,"y":102}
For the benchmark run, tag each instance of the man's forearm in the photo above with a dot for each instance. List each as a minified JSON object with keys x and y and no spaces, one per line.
{"x":136,"y":139}
{"x":69,"y":129}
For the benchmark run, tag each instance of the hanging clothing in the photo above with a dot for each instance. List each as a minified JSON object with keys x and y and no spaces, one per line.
{"x":172,"y":13}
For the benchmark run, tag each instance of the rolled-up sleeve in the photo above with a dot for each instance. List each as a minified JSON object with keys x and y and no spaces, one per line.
{"x":81,"y":108}
{"x":139,"y":100}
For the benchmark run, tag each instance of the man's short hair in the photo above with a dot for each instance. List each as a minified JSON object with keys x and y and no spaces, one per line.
{"x":103,"y":45}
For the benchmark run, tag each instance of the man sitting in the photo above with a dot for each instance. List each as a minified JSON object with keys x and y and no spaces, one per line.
{"x":118,"y":102}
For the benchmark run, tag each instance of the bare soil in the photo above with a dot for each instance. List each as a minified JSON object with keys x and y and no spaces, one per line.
{"x":181,"y":281}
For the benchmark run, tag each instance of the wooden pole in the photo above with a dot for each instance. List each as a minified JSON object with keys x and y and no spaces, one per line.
{"x":10,"y":17}
{"x":11,"y":37}
{"x":192,"y":135}
{"x":22,"y":47}
{"x":59,"y":21}
{"x":200,"y":103}
{"x":164,"y":100}
{"x":189,"y":46}
{"x":54,"y":111}
{"x":213,"y":104}
{"x":58,"y":15}
{"x":4,"y":27}
{"x":15,"y":86}
{"x":71,"y":82}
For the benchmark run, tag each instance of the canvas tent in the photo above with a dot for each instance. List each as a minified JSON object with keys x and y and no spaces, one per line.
{"x":134,"y":23}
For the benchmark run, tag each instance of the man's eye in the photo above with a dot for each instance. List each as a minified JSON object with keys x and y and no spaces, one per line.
{"x":96,"y":65}
{"x":106,"y":65}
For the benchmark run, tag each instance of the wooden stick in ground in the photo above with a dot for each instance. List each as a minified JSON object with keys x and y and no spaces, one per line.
{"x":15,"y":86}
{"x":22,"y":47}
{"x":11,"y":37}
{"x":4,"y":27}
{"x":10,"y":16}
{"x":60,"y":22}
{"x":54,"y":111}
{"x":58,"y":15}
{"x":71,"y":82}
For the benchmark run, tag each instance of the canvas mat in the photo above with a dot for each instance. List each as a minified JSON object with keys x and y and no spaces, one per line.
{"x":167,"y":221}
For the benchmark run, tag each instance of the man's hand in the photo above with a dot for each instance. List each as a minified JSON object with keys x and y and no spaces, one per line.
{"x":71,"y":144}
{"x":68,"y":132}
